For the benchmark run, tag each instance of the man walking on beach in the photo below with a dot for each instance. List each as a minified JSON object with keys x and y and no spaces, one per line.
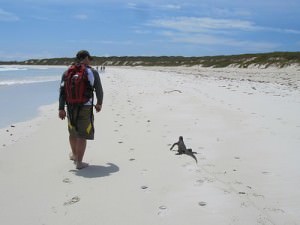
{"x":77,"y":88}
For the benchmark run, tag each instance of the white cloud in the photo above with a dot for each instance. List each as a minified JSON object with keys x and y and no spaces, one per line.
{"x":7,"y":16}
{"x":225,"y":12}
{"x":202,"y":31}
{"x":194,"y":24}
{"x":11,"y":56}
{"x":131,"y":5}
{"x":81,"y":17}
{"x":212,"y":40}
{"x":280,"y":30}
{"x":170,"y":6}
{"x":152,"y":6}
{"x":138,"y":31}
{"x":211,"y":25}
{"x":105,"y":42}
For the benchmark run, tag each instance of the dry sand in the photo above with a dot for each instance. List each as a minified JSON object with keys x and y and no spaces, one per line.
{"x":243,"y":123}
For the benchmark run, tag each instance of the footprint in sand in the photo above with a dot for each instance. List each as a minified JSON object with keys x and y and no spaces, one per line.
{"x":258,"y":195}
{"x":67,"y":181}
{"x":275,"y":210}
{"x":202,"y":203}
{"x":162,"y":210}
{"x":244,"y":204}
{"x":238,"y":182}
{"x":72,"y":201}
{"x":199,"y":182}
{"x":144,"y":171}
{"x":53,"y":209}
{"x":209,"y":180}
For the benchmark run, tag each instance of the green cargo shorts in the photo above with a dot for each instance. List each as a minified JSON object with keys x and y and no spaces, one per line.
{"x":81,"y":122}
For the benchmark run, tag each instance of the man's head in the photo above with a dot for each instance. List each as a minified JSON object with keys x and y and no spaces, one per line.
{"x":82,"y":55}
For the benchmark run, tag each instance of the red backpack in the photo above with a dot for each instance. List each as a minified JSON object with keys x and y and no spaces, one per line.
{"x":77,"y":86}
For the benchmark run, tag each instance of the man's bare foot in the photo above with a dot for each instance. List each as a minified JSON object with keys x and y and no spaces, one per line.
{"x":81,"y":165}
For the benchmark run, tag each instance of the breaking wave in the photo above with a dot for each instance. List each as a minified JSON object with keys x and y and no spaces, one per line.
{"x":28,"y":81}
{"x":12,"y":68}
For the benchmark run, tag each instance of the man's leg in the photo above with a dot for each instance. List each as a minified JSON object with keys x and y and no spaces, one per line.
{"x":80,"y":150}
{"x":73,"y":143}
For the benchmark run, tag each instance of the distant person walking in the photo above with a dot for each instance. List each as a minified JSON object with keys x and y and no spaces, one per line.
{"x":77,"y":88}
{"x":102,"y":68}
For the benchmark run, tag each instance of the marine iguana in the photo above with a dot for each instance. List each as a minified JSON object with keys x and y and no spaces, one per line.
{"x":183,"y":150}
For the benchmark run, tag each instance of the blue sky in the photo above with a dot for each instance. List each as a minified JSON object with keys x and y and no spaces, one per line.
{"x":59,"y":28}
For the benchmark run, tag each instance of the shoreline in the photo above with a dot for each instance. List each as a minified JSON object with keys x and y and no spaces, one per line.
{"x":15,"y":132}
{"x":24,"y":89}
{"x":247,"y":142}
{"x":27,"y":101}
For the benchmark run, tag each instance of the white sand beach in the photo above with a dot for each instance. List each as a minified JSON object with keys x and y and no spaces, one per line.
{"x":244,"y":125}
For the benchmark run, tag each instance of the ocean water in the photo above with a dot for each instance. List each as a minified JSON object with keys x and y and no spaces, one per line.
{"x":24,"y":89}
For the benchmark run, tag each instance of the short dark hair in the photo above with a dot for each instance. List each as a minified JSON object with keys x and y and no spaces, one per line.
{"x":82,"y":54}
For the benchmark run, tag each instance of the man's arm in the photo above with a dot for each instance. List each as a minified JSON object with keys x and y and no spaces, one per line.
{"x":98,"y":90}
{"x":62,"y":99}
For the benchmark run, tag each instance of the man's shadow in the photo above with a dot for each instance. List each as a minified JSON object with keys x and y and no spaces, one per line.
{"x":94,"y":171}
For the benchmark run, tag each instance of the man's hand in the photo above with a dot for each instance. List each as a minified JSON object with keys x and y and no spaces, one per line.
{"x":62,"y":114}
{"x":98,"y":107}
